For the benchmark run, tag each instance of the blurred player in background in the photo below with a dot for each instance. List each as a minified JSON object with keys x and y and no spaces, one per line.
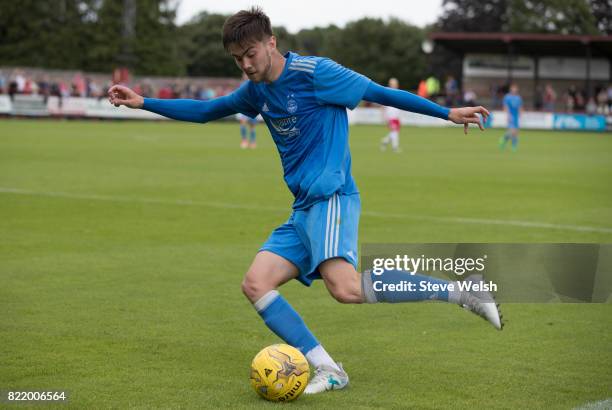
{"x":391,"y":115}
{"x":248,"y":134}
{"x":513,"y":106}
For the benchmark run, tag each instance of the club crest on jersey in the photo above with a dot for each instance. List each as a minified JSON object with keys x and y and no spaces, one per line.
{"x":292,"y":105}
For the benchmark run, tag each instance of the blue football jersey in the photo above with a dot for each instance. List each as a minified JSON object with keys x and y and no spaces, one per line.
{"x":513,"y":102}
{"x":305,"y":110}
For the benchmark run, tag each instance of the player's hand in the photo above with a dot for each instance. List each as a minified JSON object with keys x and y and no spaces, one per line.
{"x":469,"y":115}
{"x":121,"y":95}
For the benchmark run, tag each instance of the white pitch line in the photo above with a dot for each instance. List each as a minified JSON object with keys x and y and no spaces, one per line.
{"x":596,"y":405}
{"x":110,"y":198}
{"x":374,"y":214}
{"x":482,"y":221}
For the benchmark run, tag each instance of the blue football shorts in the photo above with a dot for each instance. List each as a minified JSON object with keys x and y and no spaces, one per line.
{"x":252,"y":121}
{"x":326,"y":230}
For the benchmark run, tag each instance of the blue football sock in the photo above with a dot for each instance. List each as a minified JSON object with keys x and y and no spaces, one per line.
{"x":285,"y":322}
{"x":514,"y":142}
{"x":243,"y":132}
{"x":253,"y":135}
{"x":394,"y":286}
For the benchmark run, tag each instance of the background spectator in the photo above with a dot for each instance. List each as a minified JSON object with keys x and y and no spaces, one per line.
{"x":549,"y":97}
{"x":451,"y":89}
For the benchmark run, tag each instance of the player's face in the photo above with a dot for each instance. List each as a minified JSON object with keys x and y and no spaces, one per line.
{"x":255,"y":58}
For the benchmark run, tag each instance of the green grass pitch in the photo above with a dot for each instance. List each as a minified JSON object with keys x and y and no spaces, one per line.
{"x":123,"y":245}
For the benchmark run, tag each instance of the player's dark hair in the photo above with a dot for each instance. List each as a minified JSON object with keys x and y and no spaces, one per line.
{"x":246,"y":26}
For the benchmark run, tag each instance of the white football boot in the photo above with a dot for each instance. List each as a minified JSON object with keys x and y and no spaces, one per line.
{"x":327,"y":378}
{"x":482,"y":304}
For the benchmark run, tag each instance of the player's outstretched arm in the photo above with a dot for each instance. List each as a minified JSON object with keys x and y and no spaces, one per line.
{"x":178,"y":109}
{"x":410,"y":102}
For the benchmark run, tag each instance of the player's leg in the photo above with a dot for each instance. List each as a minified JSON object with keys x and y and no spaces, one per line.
{"x":347,"y":285}
{"x":283,"y":257}
{"x":267,"y":272}
{"x":244,"y":143}
{"x":394,"y":137}
{"x":385,"y":141}
{"x":252,"y":134}
{"x":503,"y":140}
{"x":394,"y":126}
{"x":337,"y":263}
{"x":514,"y":138}
{"x":334,"y":224}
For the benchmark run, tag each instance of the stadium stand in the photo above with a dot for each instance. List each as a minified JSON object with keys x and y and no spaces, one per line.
{"x":561,"y":73}
{"x":67,"y":83}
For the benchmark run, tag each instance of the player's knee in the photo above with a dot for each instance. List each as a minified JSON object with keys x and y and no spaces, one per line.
{"x":345,"y":294}
{"x":254,"y":286}
{"x":342,"y":281}
{"x":251,"y":289}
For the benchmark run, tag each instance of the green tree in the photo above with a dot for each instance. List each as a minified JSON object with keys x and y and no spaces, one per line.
{"x":44,"y":33}
{"x":202,"y":47}
{"x":157,"y":39}
{"x":602,"y":12}
{"x":380,"y":50}
{"x":139,"y":34}
{"x":552,"y":16}
{"x":285,"y":41}
{"x":526,"y":16}
{"x":93,"y":35}
{"x":474,"y":16}
{"x":315,"y":41}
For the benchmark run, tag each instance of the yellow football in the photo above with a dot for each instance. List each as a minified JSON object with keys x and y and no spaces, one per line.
{"x":279,"y":373}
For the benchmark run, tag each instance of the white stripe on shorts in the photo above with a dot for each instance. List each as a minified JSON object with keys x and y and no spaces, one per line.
{"x":332,"y":226}
{"x":337,"y":227}
{"x":327,"y":226}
